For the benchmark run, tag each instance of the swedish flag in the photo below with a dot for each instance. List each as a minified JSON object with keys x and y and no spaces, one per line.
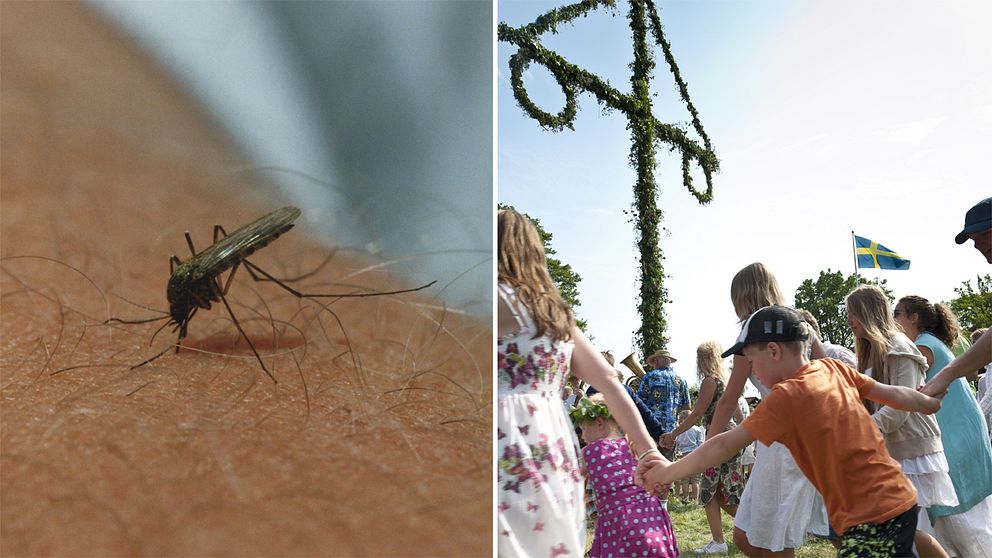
{"x":873,"y":255}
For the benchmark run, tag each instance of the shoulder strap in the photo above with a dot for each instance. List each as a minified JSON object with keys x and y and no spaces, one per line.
{"x":508,"y":296}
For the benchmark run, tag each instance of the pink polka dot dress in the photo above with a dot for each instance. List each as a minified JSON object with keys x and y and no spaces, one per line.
{"x":631,"y":522}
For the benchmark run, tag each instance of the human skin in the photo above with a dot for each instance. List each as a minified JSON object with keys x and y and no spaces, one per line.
{"x":588,"y":365}
{"x":376,"y":440}
{"x":707,"y":389}
{"x":974,"y":358}
{"x":983,"y":243}
{"x":773,"y":363}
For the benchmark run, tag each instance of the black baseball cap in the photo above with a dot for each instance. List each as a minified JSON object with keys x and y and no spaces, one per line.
{"x":771,"y":323}
{"x":978,"y":218}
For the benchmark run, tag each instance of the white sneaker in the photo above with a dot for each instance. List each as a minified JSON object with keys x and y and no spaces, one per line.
{"x":712,"y":547}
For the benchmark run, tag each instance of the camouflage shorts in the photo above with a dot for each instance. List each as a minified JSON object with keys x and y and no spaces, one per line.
{"x":889,"y":539}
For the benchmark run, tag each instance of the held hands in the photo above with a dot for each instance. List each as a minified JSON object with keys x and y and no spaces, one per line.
{"x":931,"y":404}
{"x":649,"y":473}
{"x":666,"y":440}
{"x":936,"y":387}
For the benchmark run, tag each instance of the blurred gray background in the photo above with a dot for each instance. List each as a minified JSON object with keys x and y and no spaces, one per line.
{"x":375,"y":118}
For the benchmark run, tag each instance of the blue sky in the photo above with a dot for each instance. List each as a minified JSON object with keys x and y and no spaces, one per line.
{"x":827,"y":117}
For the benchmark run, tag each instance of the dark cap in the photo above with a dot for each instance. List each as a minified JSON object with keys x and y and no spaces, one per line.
{"x":771,"y":323}
{"x":978,"y":218}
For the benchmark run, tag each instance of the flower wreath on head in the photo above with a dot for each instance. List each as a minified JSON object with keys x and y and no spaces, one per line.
{"x":585,"y":410}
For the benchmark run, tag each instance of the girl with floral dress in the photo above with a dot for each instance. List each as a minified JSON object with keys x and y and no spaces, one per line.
{"x":629,"y":520}
{"x":540,"y":509}
{"x":721,"y":487}
{"x":913,"y":439}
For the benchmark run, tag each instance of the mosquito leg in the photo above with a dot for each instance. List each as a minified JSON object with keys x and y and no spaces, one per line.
{"x":306,"y":275}
{"x":155,"y":357}
{"x":248,"y":339}
{"x":144,"y":321}
{"x":252,"y":267}
{"x":218,"y":229}
{"x":152,"y":340}
{"x":173,"y":262}
{"x":189,"y":240}
{"x":230,"y":277}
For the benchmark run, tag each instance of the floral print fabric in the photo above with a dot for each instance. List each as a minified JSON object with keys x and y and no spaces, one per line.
{"x":728,"y":477}
{"x":540,"y":509}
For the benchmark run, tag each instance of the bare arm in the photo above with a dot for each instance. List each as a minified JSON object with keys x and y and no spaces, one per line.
{"x":903,"y":398}
{"x":728,"y":403}
{"x":105,"y":163}
{"x":927,"y":354}
{"x":505,"y":322}
{"x":974,"y":358}
{"x":714,"y":451}
{"x":738,"y":414}
{"x":590,"y":366}
{"x":817,"y":350}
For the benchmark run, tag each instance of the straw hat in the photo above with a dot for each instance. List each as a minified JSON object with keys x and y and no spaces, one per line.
{"x":658,"y":354}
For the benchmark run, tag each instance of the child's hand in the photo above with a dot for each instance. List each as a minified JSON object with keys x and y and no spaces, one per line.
{"x":656,"y":478}
{"x":666,"y":440}
{"x":647,"y":462}
{"x":931,"y":404}
{"x":936,"y":387}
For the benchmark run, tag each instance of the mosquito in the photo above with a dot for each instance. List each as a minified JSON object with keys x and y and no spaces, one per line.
{"x":195,"y":283}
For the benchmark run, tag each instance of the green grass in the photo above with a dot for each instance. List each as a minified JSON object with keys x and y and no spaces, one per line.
{"x":692,"y":531}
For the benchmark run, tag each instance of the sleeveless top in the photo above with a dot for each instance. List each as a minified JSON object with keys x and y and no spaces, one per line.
{"x":541,"y":508}
{"x":963,"y":434}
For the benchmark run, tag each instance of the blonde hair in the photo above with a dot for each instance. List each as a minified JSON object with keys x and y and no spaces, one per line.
{"x":810,"y":320}
{"x":599,"y":398}
{"x":522,"y":265}
{"x":609,"y":357}
{"x":708,"y":362}
{"x":753,"y":288}
{"x":869,"y":305}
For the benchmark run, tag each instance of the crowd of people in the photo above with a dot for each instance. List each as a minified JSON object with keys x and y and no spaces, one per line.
{"x":884,"y":450}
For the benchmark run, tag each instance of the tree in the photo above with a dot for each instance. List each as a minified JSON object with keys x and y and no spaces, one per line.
{"x":648,"y":134}
{"x":824,"y":298}
{"x":973,"y":306}
{"x":564,"y":277}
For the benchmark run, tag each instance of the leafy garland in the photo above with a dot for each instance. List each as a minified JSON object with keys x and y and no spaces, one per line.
{"x":649,"y":134}
{"x":585,"y":411}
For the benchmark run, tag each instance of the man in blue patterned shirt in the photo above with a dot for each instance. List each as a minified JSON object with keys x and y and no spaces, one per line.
{"x":664,"y":392}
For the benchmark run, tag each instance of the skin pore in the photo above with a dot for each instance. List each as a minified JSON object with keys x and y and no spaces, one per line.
{"x":382,"y":420}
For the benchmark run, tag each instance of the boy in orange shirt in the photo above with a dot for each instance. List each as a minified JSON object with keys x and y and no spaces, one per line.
{"x":815,"y":410}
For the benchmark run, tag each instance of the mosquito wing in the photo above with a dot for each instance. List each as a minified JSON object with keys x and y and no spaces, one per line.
{"x":243,"y":242}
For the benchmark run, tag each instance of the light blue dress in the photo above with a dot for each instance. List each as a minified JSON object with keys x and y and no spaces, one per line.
{"x":964,"y":435}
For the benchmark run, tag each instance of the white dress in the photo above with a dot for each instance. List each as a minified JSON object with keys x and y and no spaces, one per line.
{"x":779,"y":505}
{"x":540,"y":508}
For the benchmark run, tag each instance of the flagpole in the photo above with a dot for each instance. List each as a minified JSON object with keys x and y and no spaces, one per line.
{"x":854,"y":251}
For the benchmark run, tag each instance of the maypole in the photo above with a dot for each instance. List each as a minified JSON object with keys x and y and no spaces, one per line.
{"x":647,"y":132}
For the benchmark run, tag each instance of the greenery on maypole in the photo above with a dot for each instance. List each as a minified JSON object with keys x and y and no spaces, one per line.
{"x":647,"y":132}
